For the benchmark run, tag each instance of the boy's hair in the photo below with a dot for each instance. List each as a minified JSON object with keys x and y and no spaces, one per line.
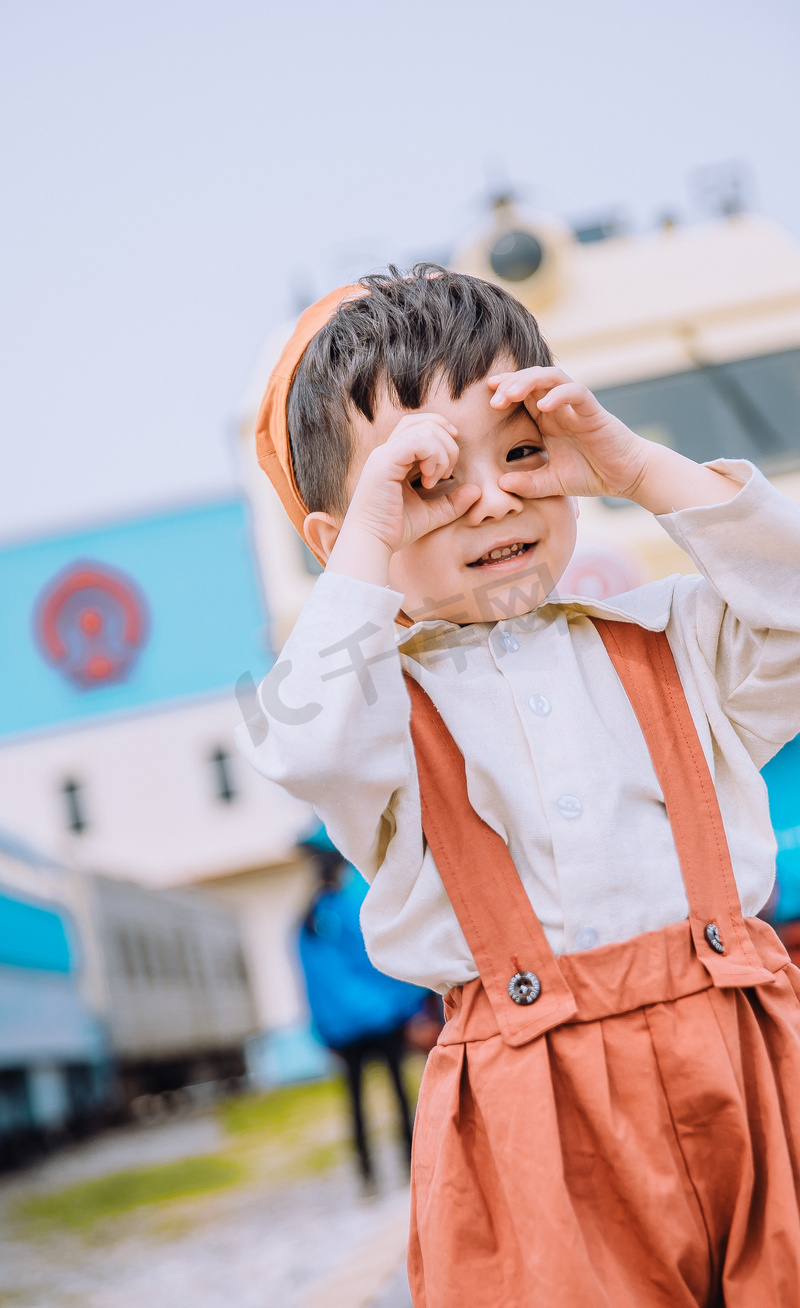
{"x":408,"y":330}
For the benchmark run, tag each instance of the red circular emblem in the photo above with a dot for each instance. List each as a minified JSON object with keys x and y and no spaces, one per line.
{"x":91,"y":623}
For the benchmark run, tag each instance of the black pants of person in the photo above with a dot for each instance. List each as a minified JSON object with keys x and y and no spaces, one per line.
{"x":389,"y":1047}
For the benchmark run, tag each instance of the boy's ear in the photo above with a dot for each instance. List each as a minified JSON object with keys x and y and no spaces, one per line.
{"x":321,"y":530}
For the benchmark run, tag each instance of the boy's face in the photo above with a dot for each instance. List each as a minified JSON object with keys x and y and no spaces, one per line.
{"x":450,"y":573}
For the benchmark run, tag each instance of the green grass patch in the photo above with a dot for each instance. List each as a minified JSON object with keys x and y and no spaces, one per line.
{"x":321,"y":1158}
{"x":294,"y":1131}
{"x":304,"y":1130}
{"x":287,"y":1111}
{"x":81,"y":1206}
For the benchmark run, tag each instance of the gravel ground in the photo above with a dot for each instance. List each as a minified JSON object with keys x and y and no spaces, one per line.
{"x":312,"y":1242}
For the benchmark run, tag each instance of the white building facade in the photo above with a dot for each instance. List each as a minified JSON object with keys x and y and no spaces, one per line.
{"x":122,"y":644}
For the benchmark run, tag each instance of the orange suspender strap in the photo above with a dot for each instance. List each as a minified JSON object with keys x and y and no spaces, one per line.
{"x":504,"y":934}
{"x":645,"y":666}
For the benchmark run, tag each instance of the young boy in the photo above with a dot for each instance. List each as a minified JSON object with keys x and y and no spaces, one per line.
{"x":612,"y":1114}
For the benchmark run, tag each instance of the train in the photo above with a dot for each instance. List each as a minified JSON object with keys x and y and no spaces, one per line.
{"x":111,"y":996}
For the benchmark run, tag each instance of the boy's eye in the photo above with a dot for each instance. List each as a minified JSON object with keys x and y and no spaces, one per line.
{"x":525,"y":452}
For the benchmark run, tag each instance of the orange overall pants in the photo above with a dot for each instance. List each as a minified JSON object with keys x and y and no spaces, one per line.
{"x":618,"y":1128}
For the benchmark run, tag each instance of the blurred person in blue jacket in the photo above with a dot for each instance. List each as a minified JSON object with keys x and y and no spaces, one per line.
{"x":358,"y":1012}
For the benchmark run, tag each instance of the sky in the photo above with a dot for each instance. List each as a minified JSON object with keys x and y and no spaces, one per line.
{"x":178,"y":174}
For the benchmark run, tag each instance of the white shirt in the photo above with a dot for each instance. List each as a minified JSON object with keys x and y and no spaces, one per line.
{"x":556,"y":763}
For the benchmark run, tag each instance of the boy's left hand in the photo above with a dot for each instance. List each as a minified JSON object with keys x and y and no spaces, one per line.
{"x":589,"y":451}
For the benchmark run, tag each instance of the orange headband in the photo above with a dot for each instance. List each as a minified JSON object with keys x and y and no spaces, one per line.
{"x":272,"y":428}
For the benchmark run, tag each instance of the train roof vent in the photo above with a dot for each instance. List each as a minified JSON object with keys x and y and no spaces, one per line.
{"x":599,"y":229}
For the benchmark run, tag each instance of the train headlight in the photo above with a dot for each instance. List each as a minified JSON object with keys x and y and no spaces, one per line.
{"x":527,"y":254}
{"x":515,"y":256}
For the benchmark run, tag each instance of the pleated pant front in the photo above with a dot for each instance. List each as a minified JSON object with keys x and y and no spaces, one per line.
{"x":643,"y":1158}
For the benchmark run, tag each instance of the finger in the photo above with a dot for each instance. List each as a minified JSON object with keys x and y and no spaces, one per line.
{"x":501,"y":385}
{"x":512,"y":387}
{"x":494,"y":381}
{"x":430,"y":448}
{"x":433,"y":470}
{"x":413,"y":419}
{"x":549,"y":376}
{"x":536,"y":485}
{"x":423,"y":440}
{"x":439,"y":462}
{"x":501,"y":400}
{"x":453,"y":505}
{"x":576,"y":396}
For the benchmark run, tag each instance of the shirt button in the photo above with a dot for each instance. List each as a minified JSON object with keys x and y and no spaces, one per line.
{"x":540,"y":705}
{"x":586,"y":938}
{"x":509,"y":642}
{"x":569,"y":806}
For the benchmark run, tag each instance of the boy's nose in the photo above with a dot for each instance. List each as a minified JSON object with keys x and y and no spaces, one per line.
{"x":494,"y":502}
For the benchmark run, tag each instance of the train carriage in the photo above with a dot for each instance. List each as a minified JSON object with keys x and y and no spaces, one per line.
{"x":108,"y":991}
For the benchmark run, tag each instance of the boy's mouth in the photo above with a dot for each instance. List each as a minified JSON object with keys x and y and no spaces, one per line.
{"x":501,"y":554}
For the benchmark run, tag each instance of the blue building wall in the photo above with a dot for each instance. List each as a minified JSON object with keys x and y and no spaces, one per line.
{"x":782,"y":775}
{"x":204,"y":615}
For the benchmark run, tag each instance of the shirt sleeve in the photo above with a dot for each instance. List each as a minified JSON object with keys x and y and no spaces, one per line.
{"x":332,"y":724}
{"x":742,"y":616}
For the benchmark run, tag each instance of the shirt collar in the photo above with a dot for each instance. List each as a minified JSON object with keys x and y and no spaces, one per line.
{"x":648,"y":606}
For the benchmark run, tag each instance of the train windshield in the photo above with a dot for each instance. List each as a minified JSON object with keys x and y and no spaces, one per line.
{"x":747,"y":409}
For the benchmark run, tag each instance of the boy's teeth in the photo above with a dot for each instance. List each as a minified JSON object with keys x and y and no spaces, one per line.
{"x":504,"y":553}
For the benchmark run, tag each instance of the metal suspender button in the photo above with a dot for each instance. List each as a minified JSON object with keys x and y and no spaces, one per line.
{"x":525,"y":987}
{"x":714,"y":939}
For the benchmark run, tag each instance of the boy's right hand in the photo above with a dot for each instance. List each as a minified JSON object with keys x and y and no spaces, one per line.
{"x":405,"y":489}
